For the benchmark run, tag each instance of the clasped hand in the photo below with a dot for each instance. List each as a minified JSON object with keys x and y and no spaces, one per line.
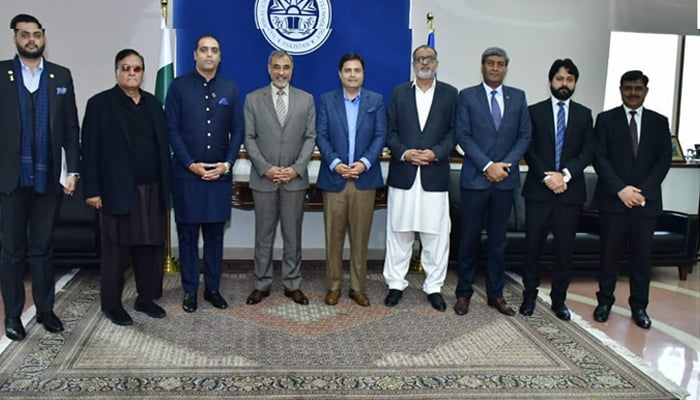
{"x":497,"y":172}
{"x":351,"y":171}
{"x":281,"y":175}
{"x":555,"y":182}
{"x":419,"y":157}
{"x":208,"y":171}
{"x":631,"y":196}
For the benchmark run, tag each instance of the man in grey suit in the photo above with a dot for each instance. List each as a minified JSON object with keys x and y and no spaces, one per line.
{"x":280,"y":132}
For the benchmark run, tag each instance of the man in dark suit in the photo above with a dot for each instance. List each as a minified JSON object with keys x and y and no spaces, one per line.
{"x":205,"y":130}
{"x":280,"y":132}
{"x":38,"y":128}
{"x":562,"y":146}
{"x":493,"y":129}
{"x":125,"y":126}
{"x":420,"y":135}
{"x":350,"y":133}
{"x":634,"y":155}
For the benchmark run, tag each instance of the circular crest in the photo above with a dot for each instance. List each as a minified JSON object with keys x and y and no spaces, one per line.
{"x":295,"y":26}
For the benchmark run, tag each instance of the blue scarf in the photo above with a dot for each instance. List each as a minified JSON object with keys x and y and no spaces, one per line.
{"x":34,"y":166}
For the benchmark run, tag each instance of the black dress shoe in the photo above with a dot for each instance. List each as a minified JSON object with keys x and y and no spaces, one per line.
{"x":119,"y":316}
{"x":501,"y":305}
{"x":214,"y":297}
{"x":527,"y":307}
{"x":14,"y":329}
{"x":189,"y":302}
{"x":297,"y":296}
{"x":601,"y":313}
{"x":437,"y":301}
{"x":50,"y":321}
{"x":149,"y":308}
{"x":393,"y":297}
{"x":561,"y":311}
{"x":641,"y":318}
{"x":256,"y":296}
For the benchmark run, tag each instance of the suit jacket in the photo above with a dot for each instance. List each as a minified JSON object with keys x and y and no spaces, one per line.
{"x":577,"y":153}
{"x":63,"y":123}
{"x":107,"y":150}
{"x":332,"y":138}
{"x":617,"y":167}
{"x":438,"y":135}
{"x":481,"y":142}
{"x":270,"y":144}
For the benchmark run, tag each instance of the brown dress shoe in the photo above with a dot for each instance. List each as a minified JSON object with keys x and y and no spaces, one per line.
{"x":256,"y":296}
{"x":502,"y":307}
{"x":462,"y":306}
{"x":297,"y":296}
{"x":332,"y":297}
{"x":360,"y":298}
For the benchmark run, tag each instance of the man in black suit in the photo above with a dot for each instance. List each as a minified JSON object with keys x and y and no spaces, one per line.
{"x":38,"y":123}
{"x":634,"y":155}
{"x":125,"y":126}
{"x":562,"y":145}
{"x":420,"y":135}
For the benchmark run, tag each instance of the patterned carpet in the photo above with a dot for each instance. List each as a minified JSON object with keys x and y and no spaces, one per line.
{"x":281,"y":350}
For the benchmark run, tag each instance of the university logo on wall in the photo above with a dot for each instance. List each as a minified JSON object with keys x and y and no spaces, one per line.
{"x":295,"y":26}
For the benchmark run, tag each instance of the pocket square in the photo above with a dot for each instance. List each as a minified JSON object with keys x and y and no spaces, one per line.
{"x":223,"y":101}
{"x":371,"y":110}
{"x":61,"y":90}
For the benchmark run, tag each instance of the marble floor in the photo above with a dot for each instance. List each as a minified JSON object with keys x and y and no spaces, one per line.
{"x":672,"y":345}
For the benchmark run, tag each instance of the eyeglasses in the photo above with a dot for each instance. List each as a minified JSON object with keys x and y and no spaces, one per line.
{"x":127,"y":68}
{"x":425,"y":60}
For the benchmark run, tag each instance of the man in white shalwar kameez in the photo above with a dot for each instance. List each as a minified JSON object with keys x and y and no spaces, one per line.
{"x":420,"y":135}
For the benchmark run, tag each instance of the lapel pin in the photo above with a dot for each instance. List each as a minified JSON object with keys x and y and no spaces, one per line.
{"x":11,"y":73}
{"x":213,"y":94}
{"x":52,"y":76}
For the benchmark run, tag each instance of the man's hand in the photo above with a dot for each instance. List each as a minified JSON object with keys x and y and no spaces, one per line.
{"x":631,"y":196}
{"x":418,"y":157}
{"x":497,"y":172}
{"x":95,"y":202}
{"x":555,"y":182}
{"x":71,"y":181}
{"x":281,"y":175}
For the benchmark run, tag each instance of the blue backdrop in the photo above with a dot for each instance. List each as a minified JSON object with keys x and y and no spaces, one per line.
{"x":376,"y":29}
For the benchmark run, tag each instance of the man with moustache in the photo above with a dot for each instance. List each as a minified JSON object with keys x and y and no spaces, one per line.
{"x":351,"y":130}
{"x":420,"y":135}
{"x":493,"y":128}
{"x":562,"y":145}
{"x":634,"y":155}
{"x":205,"y":129}
{"x":280,"y":132}
{"x":38,"y":128}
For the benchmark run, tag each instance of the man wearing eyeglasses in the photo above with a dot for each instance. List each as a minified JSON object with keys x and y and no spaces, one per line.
{"x":493,"y":128}
{"x":205,"y":129}
{"x":126,"y":165}
{"x":420,"y":135}
{"x":38,"y":123}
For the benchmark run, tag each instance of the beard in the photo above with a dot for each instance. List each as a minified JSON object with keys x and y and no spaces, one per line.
{"x":563,"y":93}
{"x":31,"y":54}
{"x":425,"y":74}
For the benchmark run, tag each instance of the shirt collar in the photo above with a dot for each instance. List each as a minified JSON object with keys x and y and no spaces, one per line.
{"x":357,"y":98}
{"x":489,"y":89}
{"x":555,"y":102}
{"x":38,"y":69}
{"x":431,"y":86}
{"x":638,"y":110}
{"x":275,"y":89}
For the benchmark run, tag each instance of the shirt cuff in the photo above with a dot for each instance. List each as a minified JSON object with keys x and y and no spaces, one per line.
{"x":487,"y":166}
{"x":334,"y":163}
{"x":365,"y":161}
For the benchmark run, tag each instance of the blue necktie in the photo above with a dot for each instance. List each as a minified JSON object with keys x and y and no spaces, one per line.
{"x":561,"y":129}
{"x":495,"y":110}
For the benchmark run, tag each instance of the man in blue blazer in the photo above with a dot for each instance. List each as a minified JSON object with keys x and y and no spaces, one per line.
{"x":634,"y":155}
{"x":493,"y":129}
{"x":38,"y":123}
{"x":350,"y":133}
{"x":555,"y":187}
{"x":420,"y":135}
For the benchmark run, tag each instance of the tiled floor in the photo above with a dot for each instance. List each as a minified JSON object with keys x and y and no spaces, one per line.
{"x":671,"y":346}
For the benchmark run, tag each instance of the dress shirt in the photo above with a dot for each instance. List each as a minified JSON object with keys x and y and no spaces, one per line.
{"x":352,"y":108}
{"x":285,"y":96}
{"x":424,"y":100}
{"x":499,"y":99}
{"x":555,"y":111}
{"x":31,"y":81}
{"x":637,"y":119}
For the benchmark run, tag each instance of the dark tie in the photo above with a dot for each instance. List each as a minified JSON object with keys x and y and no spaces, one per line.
{"x":633,"y":133}
{"x":561,"y":130}
{"x":495,"y":110}
{"x":279,"y":107}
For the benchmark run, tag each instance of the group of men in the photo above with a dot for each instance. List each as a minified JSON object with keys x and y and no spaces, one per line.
{"x":205,"y":122}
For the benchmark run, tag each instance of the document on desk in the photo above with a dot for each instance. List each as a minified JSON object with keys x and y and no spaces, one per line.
{"x":63,"y":178}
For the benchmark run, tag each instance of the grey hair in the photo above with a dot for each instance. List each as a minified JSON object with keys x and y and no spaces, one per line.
{"x":279,"y":53}
{"x":494,"y":51}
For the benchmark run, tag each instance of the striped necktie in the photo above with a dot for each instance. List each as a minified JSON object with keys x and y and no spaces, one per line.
{"x":280,"y":108}
{"x":561,"y":130}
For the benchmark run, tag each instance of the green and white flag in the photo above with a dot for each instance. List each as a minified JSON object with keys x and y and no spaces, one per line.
{"x":165,"y":67}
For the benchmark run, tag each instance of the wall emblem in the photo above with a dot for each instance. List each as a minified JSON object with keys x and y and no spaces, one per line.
{"x":295,"y":26}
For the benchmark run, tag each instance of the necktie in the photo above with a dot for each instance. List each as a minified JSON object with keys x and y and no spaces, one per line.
{"x":495,"y":110}
{"x":279,"y":107}
{"x":561,"y":130}
{"x":633,"y":133}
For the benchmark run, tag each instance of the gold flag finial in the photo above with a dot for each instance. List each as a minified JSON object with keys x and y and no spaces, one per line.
{"x":164,"y":9}
{"x":430,"y":16}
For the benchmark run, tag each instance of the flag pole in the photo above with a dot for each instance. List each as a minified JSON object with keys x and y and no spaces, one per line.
{"x":170,"y":264}
{"x":416,"y":264}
